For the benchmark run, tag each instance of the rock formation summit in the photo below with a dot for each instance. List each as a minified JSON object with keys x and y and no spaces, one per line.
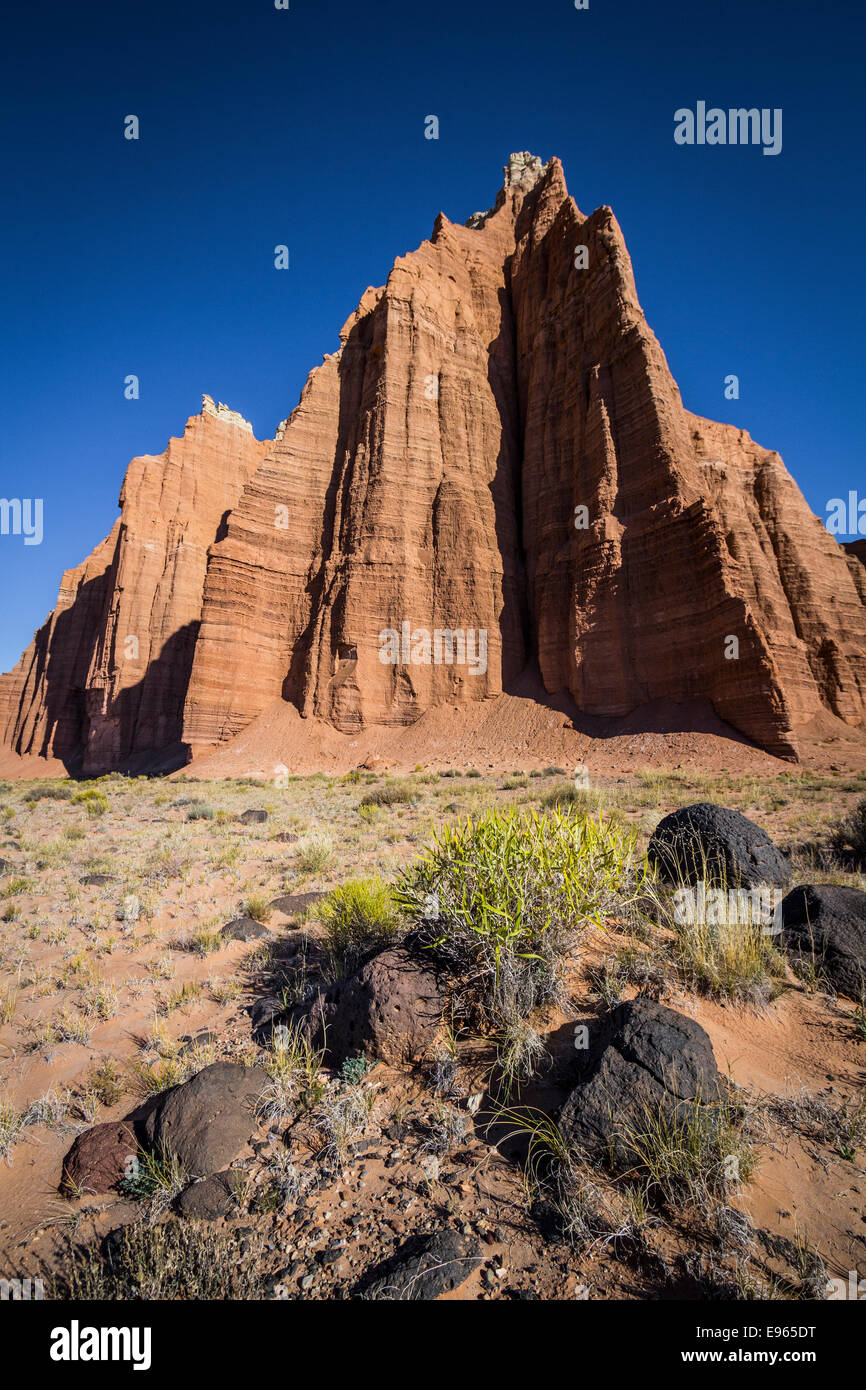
{"x":494,"y":474}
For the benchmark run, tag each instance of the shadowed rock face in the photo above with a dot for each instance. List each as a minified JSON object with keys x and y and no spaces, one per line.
{"x":824,"y":928}
{"x":497,"y":447}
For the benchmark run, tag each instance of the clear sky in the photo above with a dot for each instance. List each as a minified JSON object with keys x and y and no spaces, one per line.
{"x":305,"y":127}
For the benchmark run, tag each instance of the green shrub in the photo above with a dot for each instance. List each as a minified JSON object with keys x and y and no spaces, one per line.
{"x":48,"y":791}
{"x":391,"y":794}
{"x":567,"y":794}
{"x":499,"y":900}
{"x":200,"y":812}
{"x":94,"y":802}
{"x":354,"y":1069}
{"x":315,"y":853}
{"x":360,"y":914}
{"x":258,"y":907}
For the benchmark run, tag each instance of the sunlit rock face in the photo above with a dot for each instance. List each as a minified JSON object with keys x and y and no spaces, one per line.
{"x":493,"y":471}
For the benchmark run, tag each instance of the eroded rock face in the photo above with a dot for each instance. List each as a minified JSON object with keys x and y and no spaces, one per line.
{"x":645,"y":1061}
{"x":498,"y":448}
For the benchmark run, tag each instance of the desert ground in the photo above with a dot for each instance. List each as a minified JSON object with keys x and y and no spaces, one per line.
{"x":118,"y":982}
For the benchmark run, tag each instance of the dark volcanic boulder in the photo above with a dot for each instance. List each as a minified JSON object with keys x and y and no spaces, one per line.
{"x":389,"y":1009}
{"x":208,"y":1199}
{"x":721,"y":847}
{"x":423,"y":1268}
{"x":253,"y":817}
{"x":208,"y":1120}
{"x":644,"y":1061}
{"x":244,"y":929}
{"x":826,"y":924}
{"x":99,"y":1158}
{"x":293,"y":904}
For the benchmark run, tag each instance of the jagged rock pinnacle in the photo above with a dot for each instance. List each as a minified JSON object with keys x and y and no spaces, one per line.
{"x":523,"y":170}
{"x":521,"y":174}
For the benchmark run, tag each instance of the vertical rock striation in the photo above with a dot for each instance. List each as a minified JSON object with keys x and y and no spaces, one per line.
{"x":497,"y":447}
{"x":104,"y":681}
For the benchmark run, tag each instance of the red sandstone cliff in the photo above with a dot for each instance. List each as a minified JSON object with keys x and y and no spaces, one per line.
{"x":105,"y":679}
{"x":497,"y":447}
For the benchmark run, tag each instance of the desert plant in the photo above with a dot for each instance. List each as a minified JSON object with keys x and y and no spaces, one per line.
{"x":519,"y":1054}
{"x":48,"y":791}
{"x":391,"y":794}
{"x":51,"y":1110}
{"x":816,"y":1117}
{"x":14,"y":887}
{"x":690,"y":1152}
{"x":171,"y":1260}
{"x":851,"y":831}
{"x":172,"y":1069}
{"x":358,"y":916}
{"x":8,"y":1004}
{"x":11,"y":1124}
{"x":499,"y":901}
{"x":94,"y":801}
{"x":205,"y":940}
{"x":564,"y":794}
{"x":100,"y":1000}
{"x":295,"y":1070}
{"x":258,"y":907}
{"x":344,"y":1117}
{"x":315,"y":853}
{"x":156,"y":1178}
{"x":724,"y":944}
{"x":354,"y":1069}
{"x":107,"y":1082}
{"x":179,"y":997}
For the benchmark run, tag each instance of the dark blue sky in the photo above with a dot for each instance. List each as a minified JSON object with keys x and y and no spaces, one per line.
{"x":306,"y":127}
